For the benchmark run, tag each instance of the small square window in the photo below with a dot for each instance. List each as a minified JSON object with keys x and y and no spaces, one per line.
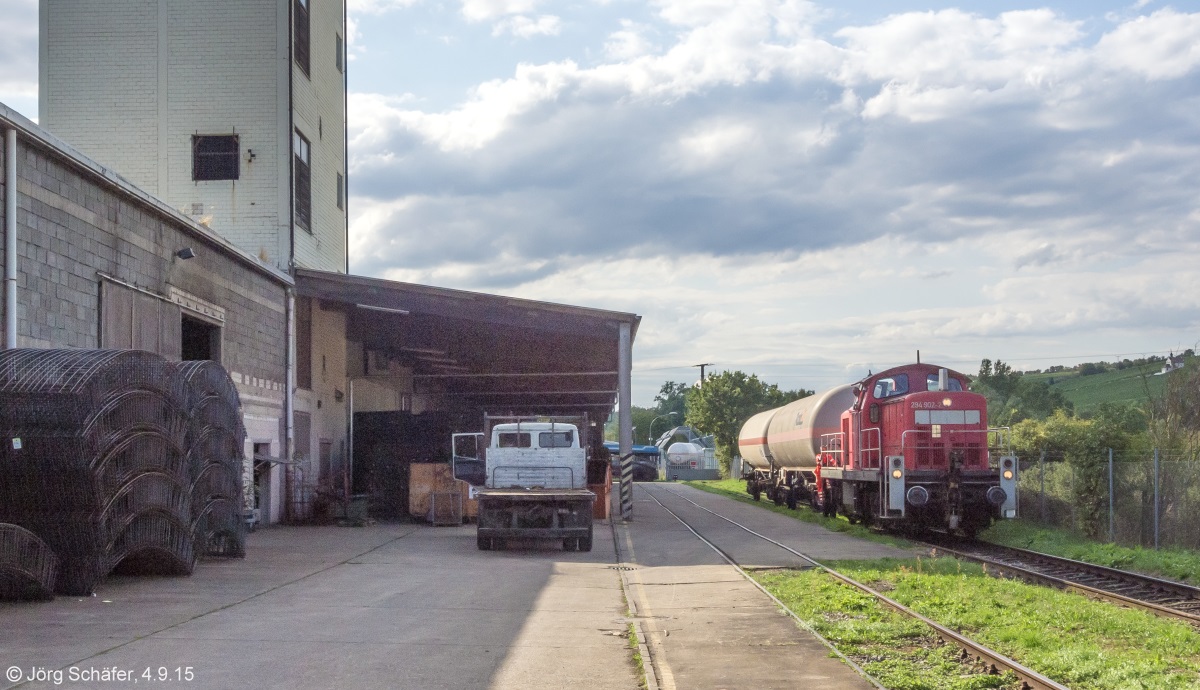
{"x":340,"y":55}
{"x":341,"y":191}
{"x":215,"y":157}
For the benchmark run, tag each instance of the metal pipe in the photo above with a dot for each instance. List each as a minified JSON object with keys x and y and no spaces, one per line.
{"x":10,"y":239}
{"x":1155,"y":499}
{"x":1112,"y":526}
{"x":350,"y":436}
{"x":289,"y":441}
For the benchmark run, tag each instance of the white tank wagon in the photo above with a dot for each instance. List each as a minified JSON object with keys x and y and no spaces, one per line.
{"x":779,"y":447}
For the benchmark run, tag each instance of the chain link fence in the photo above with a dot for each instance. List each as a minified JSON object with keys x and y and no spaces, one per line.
{"x":1150,"y":500}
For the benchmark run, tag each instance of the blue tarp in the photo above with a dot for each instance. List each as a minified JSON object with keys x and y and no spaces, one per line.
{"x":613,"y":447}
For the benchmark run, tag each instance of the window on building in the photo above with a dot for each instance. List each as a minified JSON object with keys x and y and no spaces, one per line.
{"x":300,"y":47}
{"x":215,"y":157}
{"x":302,"y":184}
{"x":341,"y":191}
{"x":340,"y":47}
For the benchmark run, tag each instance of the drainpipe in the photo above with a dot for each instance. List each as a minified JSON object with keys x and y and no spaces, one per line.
{"x":289,"y":442}
{"x":10,"y":239}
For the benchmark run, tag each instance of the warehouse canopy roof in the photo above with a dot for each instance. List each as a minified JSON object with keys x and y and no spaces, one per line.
{"x":496,"y":354}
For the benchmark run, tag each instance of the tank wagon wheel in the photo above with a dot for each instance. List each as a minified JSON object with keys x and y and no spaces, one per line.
{"x":776,"y":495}
{"x":791,"y":498}
{"x":756,"y":492}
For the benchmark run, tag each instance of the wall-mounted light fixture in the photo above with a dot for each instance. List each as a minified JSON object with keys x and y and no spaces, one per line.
{"x":186,"y":253}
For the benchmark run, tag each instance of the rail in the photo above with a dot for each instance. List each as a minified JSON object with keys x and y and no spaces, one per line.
{"x":994,"y":660}
{"x":1161,"y":597}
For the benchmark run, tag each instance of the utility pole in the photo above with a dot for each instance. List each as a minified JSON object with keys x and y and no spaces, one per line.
{"x":706,"y":364}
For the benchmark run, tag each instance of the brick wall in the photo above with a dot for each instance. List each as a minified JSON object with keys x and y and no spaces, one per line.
{"x":79,"y":226}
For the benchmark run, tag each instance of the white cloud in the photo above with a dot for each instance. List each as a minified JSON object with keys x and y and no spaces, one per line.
{"x":487,"y":10}
{"x":525,"y":27}
{"x":966,"y":185}
{"x":378,"y":6}
{"x":19,"y":55}
{"x":629,"y":42}
{"x":1163,"y":45}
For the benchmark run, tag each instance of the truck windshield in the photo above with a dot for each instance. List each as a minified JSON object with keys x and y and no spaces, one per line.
{"x":514,"y":439}
{"x":555,"y":439}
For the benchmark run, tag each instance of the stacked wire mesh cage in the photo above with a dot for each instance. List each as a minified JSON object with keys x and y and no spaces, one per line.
{"x":114,"y":460}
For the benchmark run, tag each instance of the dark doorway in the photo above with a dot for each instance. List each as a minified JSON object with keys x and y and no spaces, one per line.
{"x":199,"y":340}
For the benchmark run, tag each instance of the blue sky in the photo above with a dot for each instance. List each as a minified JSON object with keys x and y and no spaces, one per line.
{"x":799,"y":190}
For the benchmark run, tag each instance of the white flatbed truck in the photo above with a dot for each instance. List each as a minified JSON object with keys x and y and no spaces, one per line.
{"x":535,"y":484}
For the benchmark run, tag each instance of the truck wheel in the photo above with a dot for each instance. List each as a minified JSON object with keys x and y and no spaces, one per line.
{"x":484,"y":543}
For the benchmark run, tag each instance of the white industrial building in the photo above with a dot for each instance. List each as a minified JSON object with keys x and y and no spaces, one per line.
{"x":232,"y":112}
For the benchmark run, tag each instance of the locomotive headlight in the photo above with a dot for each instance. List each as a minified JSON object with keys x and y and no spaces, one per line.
{"x":947,"y":402}
{"x":918,"y":496}
{"x":1008,"y":474}
{"x":897,"y":473}
{"x":996,"y":496}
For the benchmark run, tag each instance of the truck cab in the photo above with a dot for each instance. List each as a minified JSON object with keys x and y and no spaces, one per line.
{"x":534,"y":484}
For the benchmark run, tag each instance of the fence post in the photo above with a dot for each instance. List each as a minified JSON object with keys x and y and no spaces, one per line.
{"x":1112,"y":526}
{"x":1155,"y":499}
{"x":1042,"y":491}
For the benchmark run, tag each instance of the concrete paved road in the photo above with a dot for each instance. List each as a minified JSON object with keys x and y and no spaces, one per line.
{"x":705,"y":625}
{"x":413,"y":606}
{"x":386,"y":606}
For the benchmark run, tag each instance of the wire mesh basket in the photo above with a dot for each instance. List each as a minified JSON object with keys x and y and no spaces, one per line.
{"x":27,"y":566}
{"x":115,"y":460}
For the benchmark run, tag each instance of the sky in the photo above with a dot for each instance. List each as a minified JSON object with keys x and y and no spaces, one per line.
{"x":804,"y":191}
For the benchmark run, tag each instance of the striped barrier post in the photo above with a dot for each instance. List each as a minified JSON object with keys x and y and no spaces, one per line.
{"x":627,"y":487}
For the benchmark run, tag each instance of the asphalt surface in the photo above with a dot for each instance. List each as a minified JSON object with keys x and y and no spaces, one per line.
{"x":415,"y":606}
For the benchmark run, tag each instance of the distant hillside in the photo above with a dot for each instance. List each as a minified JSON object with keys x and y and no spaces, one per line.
{"x":1133,"y":384}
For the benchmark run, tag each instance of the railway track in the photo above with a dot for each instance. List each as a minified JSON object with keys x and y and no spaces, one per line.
{"x":991,"y":659}
{"x":1160,"y":597}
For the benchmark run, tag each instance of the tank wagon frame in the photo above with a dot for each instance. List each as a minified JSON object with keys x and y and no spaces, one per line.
{"x":907,"y":448}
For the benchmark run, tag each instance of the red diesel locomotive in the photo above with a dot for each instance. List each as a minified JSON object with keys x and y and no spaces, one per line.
{"x":906,"y":448}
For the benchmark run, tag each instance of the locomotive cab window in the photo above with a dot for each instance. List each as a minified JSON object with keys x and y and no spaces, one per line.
{"x":931,"y":383}
{"x":891,"y":387}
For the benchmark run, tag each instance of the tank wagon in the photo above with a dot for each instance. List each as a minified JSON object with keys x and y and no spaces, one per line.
{"x":906,"y":448}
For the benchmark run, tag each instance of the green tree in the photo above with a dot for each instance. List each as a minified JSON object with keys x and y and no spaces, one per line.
{"x":1084,"y":445}
{"x":672,"y":397}
{"x":726,"y":401}
{"x":1175,"y":414}
{"x":1013,"y":398}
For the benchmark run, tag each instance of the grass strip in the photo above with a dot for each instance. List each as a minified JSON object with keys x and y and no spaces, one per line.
{"x":1081,"y":643}
{"x":736,"y":489}
{"x":1174,"y":564}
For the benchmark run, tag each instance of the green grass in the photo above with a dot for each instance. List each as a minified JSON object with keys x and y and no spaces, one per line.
{"x":1129,"y":386}
{"x":736,"y":489}
{"x":1173,"y":564}
{"x":1080,"y":643}
{"x":638,"y":662}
